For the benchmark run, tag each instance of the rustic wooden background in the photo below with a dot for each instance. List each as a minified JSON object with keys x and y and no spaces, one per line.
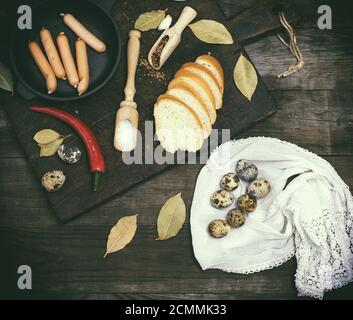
{"x":315,"y":112}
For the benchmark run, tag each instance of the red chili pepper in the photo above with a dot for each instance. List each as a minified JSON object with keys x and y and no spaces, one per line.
{"x":94,"y":152}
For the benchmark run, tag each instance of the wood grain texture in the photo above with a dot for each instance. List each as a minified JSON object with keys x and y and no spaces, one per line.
{"x":263,"y":16}
{"x":67,"y":258}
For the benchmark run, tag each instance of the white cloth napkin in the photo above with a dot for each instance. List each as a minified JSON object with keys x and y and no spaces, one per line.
{"x":312,"y":217}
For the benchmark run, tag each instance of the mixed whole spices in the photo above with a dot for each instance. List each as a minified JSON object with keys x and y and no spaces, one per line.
{"x":156,"y":55}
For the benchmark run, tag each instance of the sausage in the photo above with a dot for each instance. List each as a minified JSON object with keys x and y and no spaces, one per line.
{"x":81,"y":32}
{"x":67,"y":59}
{"x":82,"y":66}
{"x":44,"y":66}
{"x":52,"y":54}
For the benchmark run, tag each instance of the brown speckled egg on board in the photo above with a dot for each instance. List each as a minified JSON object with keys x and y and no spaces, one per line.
{"x":218,"y":228}
{"x":221,"y":199}
{"x":236,"y":218}
{"x":230,"y":182}
{"x":53,"y":180}
{"x":259,"y":188}
{"x":246,"y":170}
{"x":247,"y":203}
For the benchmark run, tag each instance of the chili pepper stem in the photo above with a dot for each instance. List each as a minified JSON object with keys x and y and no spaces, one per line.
{"x":96,"y":177}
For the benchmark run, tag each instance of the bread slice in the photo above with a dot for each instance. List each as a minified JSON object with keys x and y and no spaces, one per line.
{"x":199,"y":85}
{"x":177,"y":126}
{"x":212,"y":64}
{"x":189,"y":96}
{"x":208,"y":77}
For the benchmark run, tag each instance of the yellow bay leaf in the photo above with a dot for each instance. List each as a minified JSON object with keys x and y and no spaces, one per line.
{"x":171,"y":217}
{"x":46,"y":136}
{"x":211,"y":31}
{"x":245,"y":77}
{"x":121,"y":234}
{"x":149,"y":20}
{"x":49,"y":149}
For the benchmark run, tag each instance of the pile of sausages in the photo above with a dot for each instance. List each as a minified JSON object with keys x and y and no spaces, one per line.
{"x":63,"y":66}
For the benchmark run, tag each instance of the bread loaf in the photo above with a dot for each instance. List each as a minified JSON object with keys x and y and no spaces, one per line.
{"x":212,"y":64}
{"x":185,"y":114}
{"x":208,"y":77}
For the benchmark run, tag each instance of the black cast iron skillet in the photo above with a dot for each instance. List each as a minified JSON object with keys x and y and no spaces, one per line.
{"x":96,"y":16}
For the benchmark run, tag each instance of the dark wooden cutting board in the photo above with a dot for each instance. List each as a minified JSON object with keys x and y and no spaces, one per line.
{"x":98,"y":111}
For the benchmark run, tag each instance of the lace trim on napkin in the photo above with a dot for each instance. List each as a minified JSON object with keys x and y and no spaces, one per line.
{"x":324,"y":253}
{"x":261,"y":267}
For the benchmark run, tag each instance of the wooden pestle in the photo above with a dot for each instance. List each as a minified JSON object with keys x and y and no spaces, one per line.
{"x":127,"y":110}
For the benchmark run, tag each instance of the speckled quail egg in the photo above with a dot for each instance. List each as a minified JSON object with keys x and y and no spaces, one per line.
{"x":221,"y":199}
{"x":53,"y":180}
{"x":236,"y":218}
{"x":246,"y":170}
{"x":69,"y":153}
{"x":218,"y":228}
{"x":259,"y":188}
{"x":247,"y":203}
{"x":230,"y":182}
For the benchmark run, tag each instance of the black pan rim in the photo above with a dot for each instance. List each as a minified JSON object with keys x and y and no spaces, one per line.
{"x":74,"y":98}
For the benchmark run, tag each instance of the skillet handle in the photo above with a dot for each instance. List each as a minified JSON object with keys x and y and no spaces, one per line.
{"x":107,"y":4}
{"x":24,"y":93}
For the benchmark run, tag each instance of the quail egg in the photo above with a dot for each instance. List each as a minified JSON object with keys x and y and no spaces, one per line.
{"x":69,"y":153}
{"x":236,"y":218}
{"x":221,"y":199}
{"x":259,"y":188}
{"x":247,"y":203}
{"x":230,"y":182}
{"x":53,"y":180}
{"x":246,"y":170}
{"x":218,"y":228}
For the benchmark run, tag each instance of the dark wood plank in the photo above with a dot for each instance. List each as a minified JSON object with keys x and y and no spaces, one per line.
{"x":231,"y":8}
{"x":328,"y":56}
{"x":306,"y":10}
{"x":341,"y":13}
{"x":320,"y":121}
{"x":23,"y":203}
{"x":330,"y":113}
{"x":264,"y":19}
{"x":68,"y":258}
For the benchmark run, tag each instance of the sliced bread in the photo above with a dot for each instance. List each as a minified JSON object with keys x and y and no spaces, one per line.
{"x":193,"y":80}
{"x":177,"y":126}
{"x":208,"y":77}
{"x":189,"y":96}
{"x":212,"y":64}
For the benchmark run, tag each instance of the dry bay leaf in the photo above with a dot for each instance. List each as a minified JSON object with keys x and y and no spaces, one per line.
{"x":171,"y":217}
{"x":149,"y":20}
{"x":46,"y":136}
{"x":121,"y":234}
{"x":6,"y":79}
{"x":211,"y":31}
{"x":245,"y":77}
{"x":49,"y":149}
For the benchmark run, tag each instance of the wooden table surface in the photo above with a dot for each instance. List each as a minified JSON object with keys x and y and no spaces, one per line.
{"x":315,"y":112}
